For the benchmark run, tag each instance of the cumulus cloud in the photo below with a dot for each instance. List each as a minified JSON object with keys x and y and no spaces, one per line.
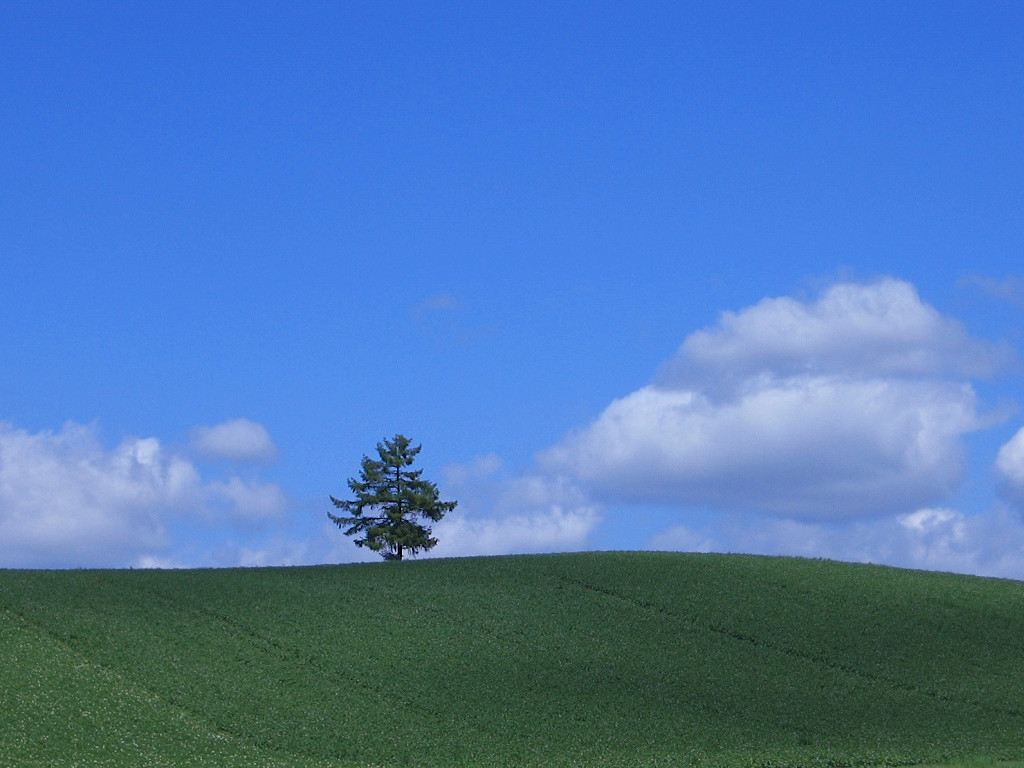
{"x":237,"y":440}
{"x":66,"y":500}
{"x":849,"y":406}
{"x":877,"y":329}
{"x":805,"y":447}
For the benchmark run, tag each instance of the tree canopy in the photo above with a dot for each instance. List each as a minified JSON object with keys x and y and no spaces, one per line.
{"x":389,"y":497}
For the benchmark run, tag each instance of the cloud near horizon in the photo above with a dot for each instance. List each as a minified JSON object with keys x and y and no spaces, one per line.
{"x":67,"y":501}
{"x":832,"y":427}
{"x":850,"y":406}
{"x":938,"y":539}
{"x":499,"y":514}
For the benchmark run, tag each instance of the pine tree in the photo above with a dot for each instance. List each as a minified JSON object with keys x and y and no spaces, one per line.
{"x":387,"y":499}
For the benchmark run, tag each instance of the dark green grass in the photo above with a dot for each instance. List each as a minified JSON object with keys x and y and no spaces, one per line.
{"x":566,"y":660}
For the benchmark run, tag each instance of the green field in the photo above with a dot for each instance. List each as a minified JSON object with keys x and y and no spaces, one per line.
{"x":613,"y":659}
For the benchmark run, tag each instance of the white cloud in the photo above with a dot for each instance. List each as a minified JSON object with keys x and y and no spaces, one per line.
{"x":1010,"y":467}
{"x":555,"y":529}
{"x":835,"y":409}
{"x":460,"y":475}
{"x":66,"y":500}
{"x":806,"y":447}
{"x":680,"y":538}
{"x":248,"y":499}
{"x":238,"y":440}
{"x":499,"y":514}
{"x":938,"y":539}
{"x":277,"y":551}
{"x":876,"y":329}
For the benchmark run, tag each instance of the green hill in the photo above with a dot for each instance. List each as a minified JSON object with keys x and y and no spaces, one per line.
{"x":608,"y":659}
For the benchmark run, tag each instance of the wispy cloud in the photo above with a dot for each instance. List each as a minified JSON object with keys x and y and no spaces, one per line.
{"x":556,"y":529}
{"x":936,"y":538}
{"x":503,"y":514}
{"x":1010,"y":470}
{"x":237,"y":440}
{"x":1009,"y":289}
{"x":440,"y":302}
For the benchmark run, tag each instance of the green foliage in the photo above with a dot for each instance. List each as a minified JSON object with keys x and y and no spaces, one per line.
{"x":387,"y":498}
{"x":573,"y":660}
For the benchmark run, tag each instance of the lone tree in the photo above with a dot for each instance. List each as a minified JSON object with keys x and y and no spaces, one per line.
{"x":387,"y":499}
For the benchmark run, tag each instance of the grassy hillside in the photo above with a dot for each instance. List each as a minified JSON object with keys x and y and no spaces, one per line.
{"x":568,"y":660}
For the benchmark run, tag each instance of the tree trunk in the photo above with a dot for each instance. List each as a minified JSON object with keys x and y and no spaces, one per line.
{"x":398,"y":493}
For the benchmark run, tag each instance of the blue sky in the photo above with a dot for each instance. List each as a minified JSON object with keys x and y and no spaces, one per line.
{"x":682,"y":276}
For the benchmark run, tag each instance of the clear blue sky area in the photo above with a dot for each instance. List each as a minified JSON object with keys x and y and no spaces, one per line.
{"x":697,"y":276}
